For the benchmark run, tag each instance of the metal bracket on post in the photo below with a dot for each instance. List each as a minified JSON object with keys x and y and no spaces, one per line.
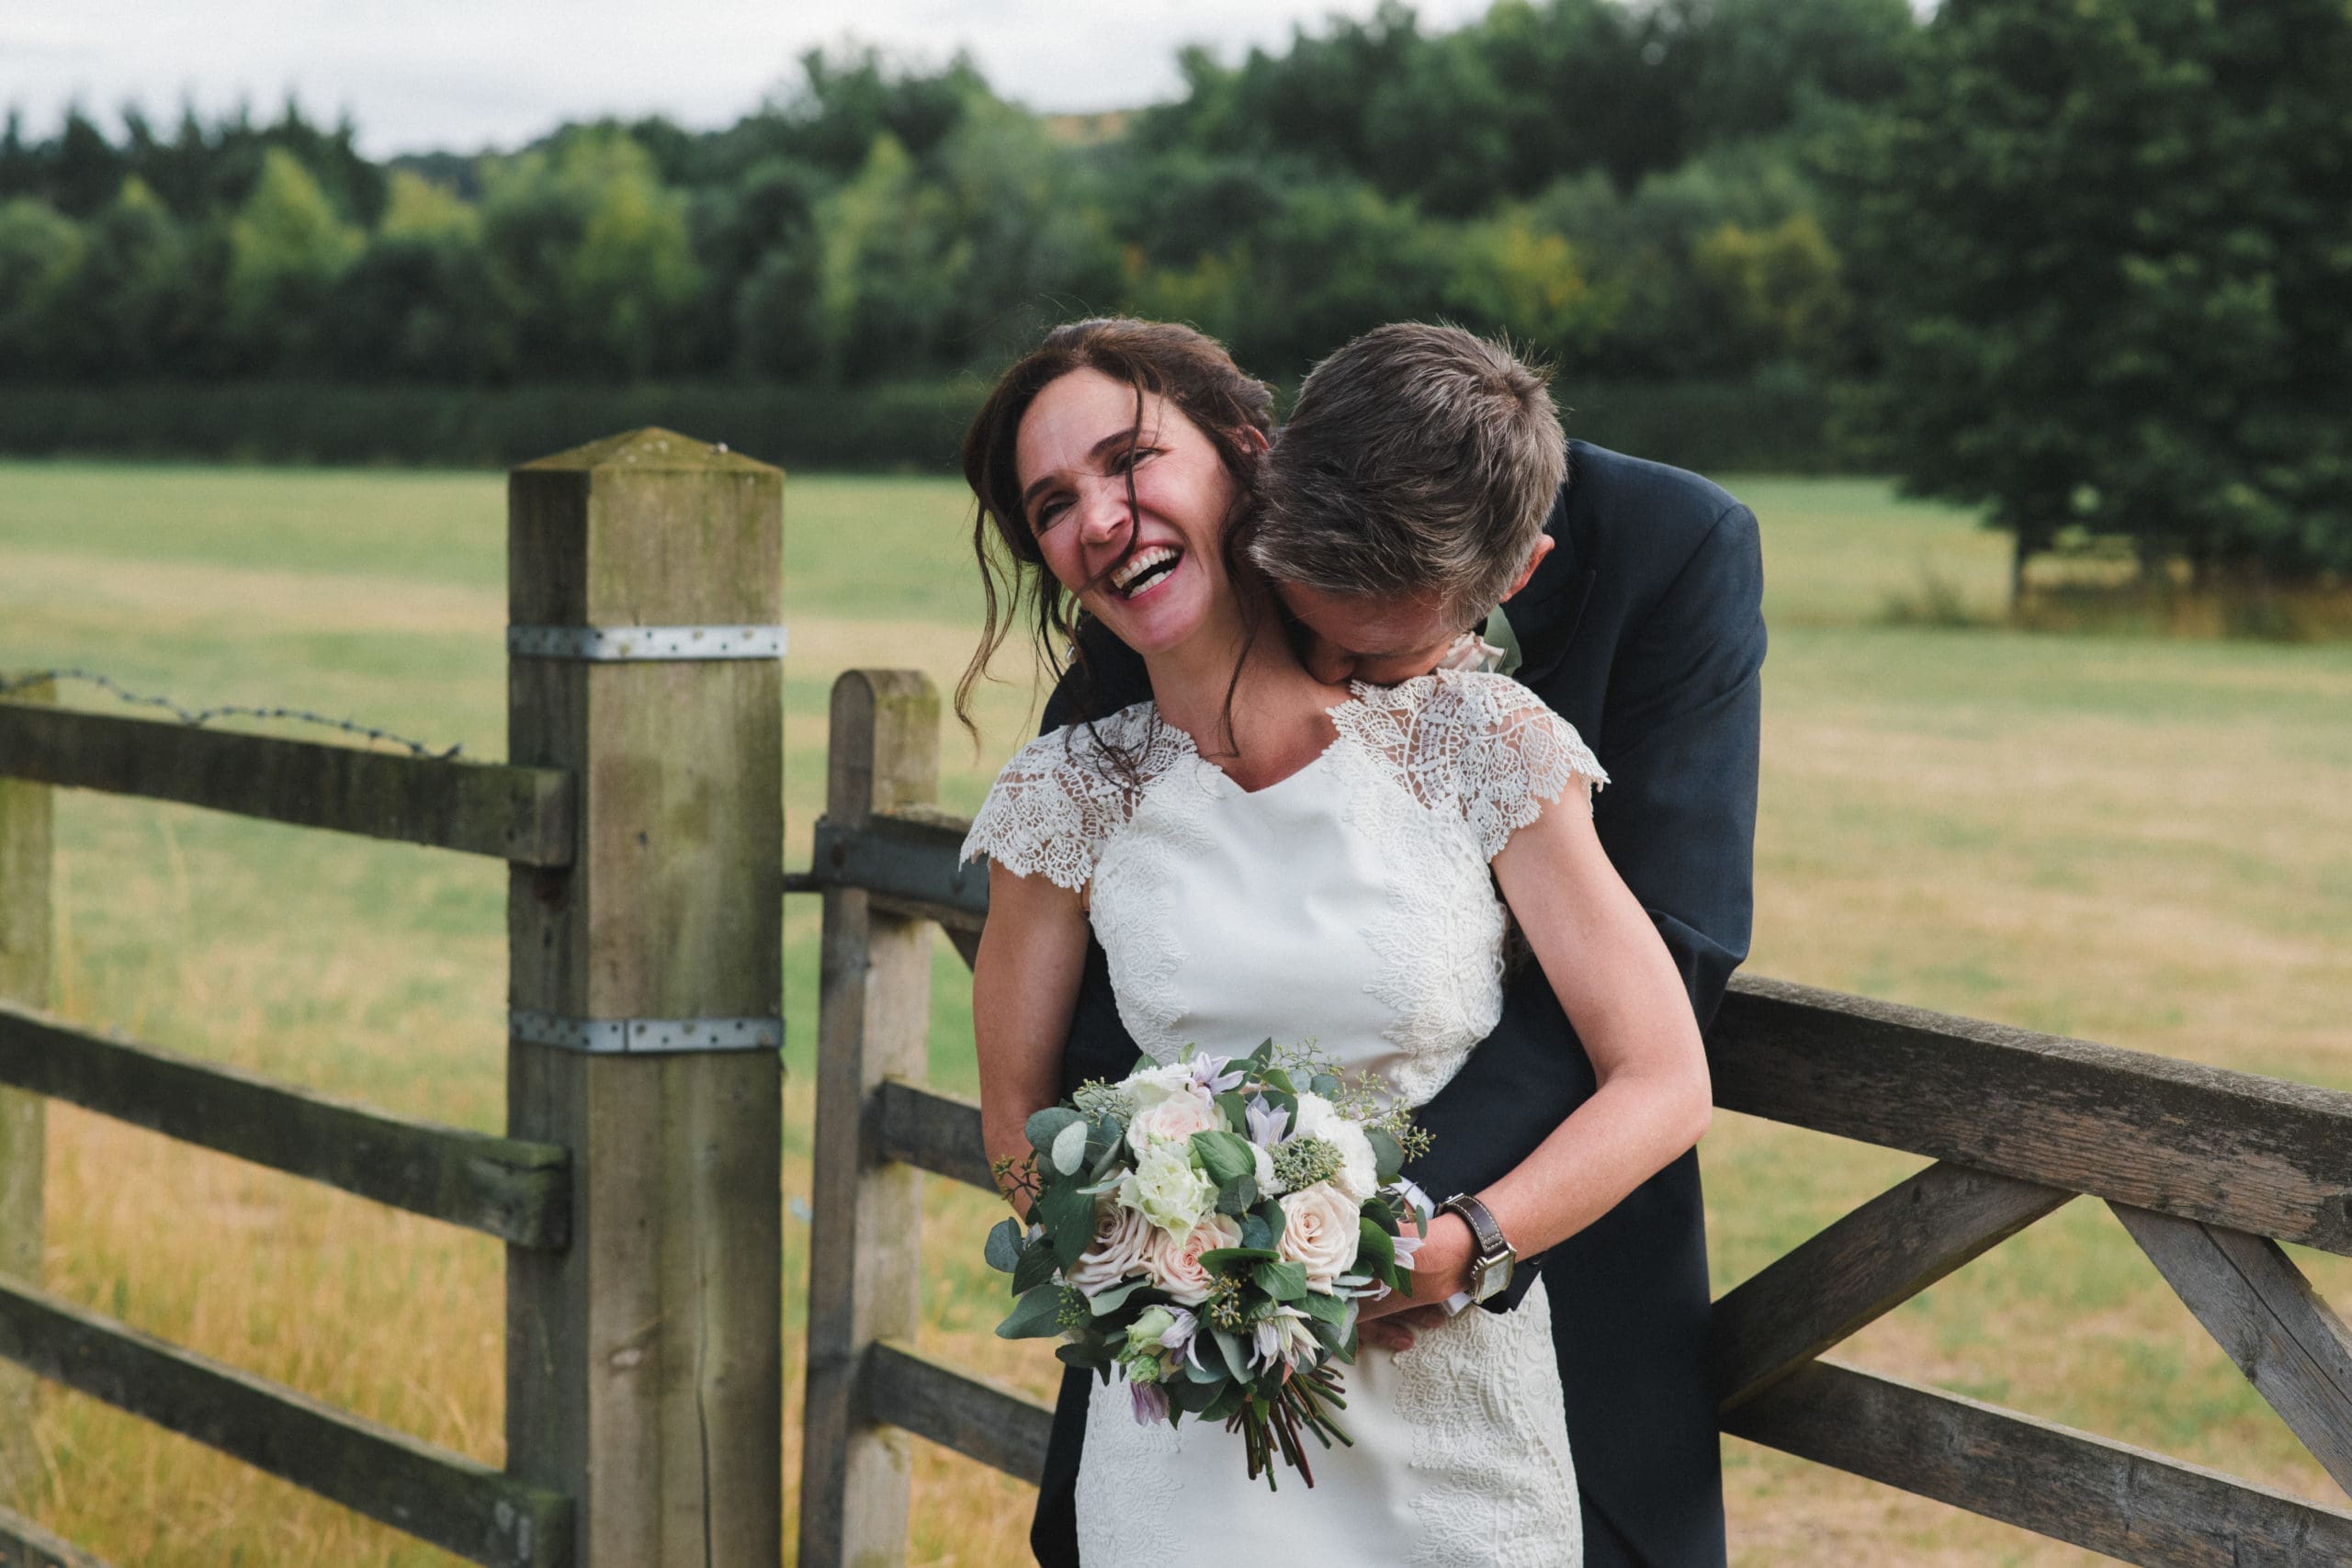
{"x":622,"y":645}
{"x":644,"y":1036}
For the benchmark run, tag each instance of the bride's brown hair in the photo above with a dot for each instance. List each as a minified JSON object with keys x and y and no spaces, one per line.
{"x":1188,"y":369}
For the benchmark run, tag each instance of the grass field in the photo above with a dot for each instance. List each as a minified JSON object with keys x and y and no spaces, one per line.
{"x":2137,"y":841}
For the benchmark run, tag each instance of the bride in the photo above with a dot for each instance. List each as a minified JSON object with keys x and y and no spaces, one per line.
{"x":1261,"y":853}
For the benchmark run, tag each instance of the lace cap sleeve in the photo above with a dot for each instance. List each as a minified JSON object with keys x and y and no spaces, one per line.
{"x":1049,"y":812}
{"x":1513,"y":755}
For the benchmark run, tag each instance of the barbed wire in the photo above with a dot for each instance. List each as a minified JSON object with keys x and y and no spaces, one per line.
{"x":197,"y":717}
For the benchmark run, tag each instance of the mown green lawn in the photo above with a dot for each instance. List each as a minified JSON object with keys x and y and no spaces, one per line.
{"x":2143,"y":842}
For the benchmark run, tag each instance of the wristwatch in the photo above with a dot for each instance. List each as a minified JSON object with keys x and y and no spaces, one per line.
{"x":1490,"y":1269}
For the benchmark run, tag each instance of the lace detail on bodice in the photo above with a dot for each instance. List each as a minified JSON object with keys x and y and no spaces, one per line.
{"x":1229,"y":916}
{"x":1448,"y":766}
{"x":1480,"y":1393}
{"x":1479,"y":745}
{"x":1060,"y":798}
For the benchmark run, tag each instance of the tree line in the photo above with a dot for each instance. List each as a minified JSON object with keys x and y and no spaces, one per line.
{"x":1621,"y":184}
{"x":2089,"y":266}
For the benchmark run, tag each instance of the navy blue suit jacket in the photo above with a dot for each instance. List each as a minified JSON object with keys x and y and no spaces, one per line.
{"x":1644,"y":627}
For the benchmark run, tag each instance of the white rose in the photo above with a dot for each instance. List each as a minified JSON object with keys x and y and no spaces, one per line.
{"x":1359,"y":1175}
{"x":1321,"y":1229}
{"x":1173,"y":1120}
{"x":1267,"y":1186}
{"x":1175,"y":1263}
{"x":1117,"y":1252}
{"x":1315,"y":1117}
{"x":1149,"y":1087}
{"x":1167,"y":1191}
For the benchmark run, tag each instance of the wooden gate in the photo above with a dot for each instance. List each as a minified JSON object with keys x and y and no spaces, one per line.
{"x":2208,"y":1170}
{"x":637,"y":1188}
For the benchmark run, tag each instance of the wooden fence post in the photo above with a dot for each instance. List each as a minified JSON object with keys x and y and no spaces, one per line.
{"x":25,"y":918}
{"x":874,"y":1021}
{"x":644,"y":1362}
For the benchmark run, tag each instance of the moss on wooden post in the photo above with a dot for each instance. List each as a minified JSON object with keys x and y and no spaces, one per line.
{"x":644,"y":1374}
{"x":873,"y":1022}
{"x":25,"y":854}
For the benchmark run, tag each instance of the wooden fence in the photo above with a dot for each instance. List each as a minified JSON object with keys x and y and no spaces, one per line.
{"x":2208,"y":1170}
{"x":637,"y":1186}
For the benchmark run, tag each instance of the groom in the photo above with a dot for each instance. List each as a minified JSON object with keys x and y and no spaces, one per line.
{"x":1638,"y":616}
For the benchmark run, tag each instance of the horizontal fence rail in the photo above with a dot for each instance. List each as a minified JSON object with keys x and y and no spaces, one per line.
{"x":518,"y":1191}
{"x":523,"y":815}
{"x":979,"y":1418}
{"x":2075,"y":1486}
{"x":933,"y":1132}
{"x":453,"y":1502}
{"x":24,"y":1544}
{"x":2228,"y":1148}
{"x":906,"y":860}
{"x":2203,"y":1166}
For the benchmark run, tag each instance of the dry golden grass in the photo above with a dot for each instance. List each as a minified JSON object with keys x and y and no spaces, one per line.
{"x":2135,"y":841}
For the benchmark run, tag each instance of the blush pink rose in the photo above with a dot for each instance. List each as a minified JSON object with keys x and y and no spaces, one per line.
{"x":1175,"y":1265}
{"x":1321,"y":1229}
{"x":1117,"y":1252}
{"x":1173,"y":1120}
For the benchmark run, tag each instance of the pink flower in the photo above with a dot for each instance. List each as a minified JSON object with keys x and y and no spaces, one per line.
{"x":1173,"y":1120}
{"x":1117,"y":1252}
{"x":1175,"y":1265}
{"x":1321,"y":1229}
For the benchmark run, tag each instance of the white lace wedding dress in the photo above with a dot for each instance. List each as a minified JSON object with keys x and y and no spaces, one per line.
{"x":1350,"y":905}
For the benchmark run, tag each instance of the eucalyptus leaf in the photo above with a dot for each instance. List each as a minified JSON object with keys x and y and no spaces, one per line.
{"x":1325,"y":1085}
{"x":1236,"y":1361}
{"x":1235,"y":1196}
{"x":1255,"y":1231}
{"x":1218,"y":1258}
{"x":1003,"y":1251}
{"x":1037,"y":1266}
{"x":1323,"y":1308}
{"x":1036,"y":1315}
{"x":1229,"y":1399}
{"x":1083,"y":1359}
{"x":1044,"y":1127}
{"x":1224,"y":1155}
{"x":1103,"y":1302}
{"x":1068,"y":1215}
{"x":1070,"y":1148}
{"x":1387,"y":1155}
{"x":1284,"y":1281}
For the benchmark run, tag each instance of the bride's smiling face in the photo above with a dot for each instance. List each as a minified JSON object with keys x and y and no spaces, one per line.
{"x":1153,"y":575}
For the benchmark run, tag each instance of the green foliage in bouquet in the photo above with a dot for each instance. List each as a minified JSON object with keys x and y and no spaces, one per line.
{"x":1206,"y":1225}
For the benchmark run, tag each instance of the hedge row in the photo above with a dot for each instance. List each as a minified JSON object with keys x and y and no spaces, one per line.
{"x":1773,"y":424}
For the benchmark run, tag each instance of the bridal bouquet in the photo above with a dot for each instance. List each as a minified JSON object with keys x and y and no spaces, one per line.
{"x":1208,"y":1226}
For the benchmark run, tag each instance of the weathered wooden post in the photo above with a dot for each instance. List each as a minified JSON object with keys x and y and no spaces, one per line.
{"x":25,"y":855}
{"x":874,"y":1021}
{"x":644,"y":1374}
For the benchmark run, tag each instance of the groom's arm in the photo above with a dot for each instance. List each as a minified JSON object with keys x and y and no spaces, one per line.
{"x":1681,"y":735}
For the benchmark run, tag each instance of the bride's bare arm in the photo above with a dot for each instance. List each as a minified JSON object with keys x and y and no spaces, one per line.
{"x":1025,"y":987}
{"x":1620,"y":988}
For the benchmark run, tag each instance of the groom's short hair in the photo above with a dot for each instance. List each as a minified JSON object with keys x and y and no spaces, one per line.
{"x":1418,"y":458}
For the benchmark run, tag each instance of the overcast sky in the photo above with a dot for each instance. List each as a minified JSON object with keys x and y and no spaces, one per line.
{"x":468,"y":74}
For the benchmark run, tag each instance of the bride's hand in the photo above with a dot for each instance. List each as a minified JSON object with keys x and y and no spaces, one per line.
{"x":1441,"y":1268}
